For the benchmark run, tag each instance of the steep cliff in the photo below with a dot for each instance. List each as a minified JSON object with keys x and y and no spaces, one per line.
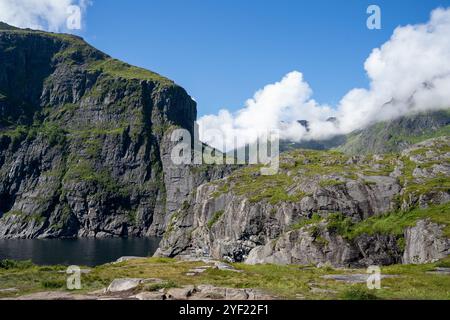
{"x":323,"y":207}
{"x":84,"y":141}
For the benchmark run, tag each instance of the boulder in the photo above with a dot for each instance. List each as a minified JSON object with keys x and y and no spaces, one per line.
{"x":150,"y":296}
{"x":125,"y":284}
{"x":425,"y":243}
{"x":180,"y":293}
{"x":123,"y":259}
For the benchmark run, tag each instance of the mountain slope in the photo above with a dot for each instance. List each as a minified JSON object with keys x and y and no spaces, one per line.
{"x":323,"y":207}
{"x":398,"y":134}
{"x":85,"y":141}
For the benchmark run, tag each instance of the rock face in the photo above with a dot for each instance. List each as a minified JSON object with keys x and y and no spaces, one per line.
{"x":84,"y":141}
{"x":306,"y":248}
{"x":425,"y":243}
{"x":307,"y":213}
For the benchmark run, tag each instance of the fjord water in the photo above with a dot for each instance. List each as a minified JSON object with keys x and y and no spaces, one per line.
{"x":83,"y":252}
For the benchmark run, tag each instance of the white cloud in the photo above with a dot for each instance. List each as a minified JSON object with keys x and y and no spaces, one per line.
{"x":409,"y":73}
{"x":50,"y":15}
{"x":272,"y":107}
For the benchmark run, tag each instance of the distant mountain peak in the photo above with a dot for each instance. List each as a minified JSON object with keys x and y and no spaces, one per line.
{"x":5,"y":26}
{"x":304,"y":124}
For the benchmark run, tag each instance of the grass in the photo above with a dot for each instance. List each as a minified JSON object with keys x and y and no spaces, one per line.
{"x":49,"y":131}
{"x":393,"y":223}
{"x":286,"y":282}
{"x":256,"y":187}
{"x":53,"y":284}
{"x":52,"y":132}
{"x":8,"y":264}
{"x":216,"y":217}
{"x":325,"y":168}
{"x":82,"y":170}
{"x":306,"y":222}
{"x":384,"y":136}
{"x":158,"y":286}
{"x":123,"y":70}
{"x":16,"y":135}
{"x":21,"y":217}
{"x":358,"y":293}
{"x":443,"y":131}
{"x":331,"y":183}
{"x":76,"y":51}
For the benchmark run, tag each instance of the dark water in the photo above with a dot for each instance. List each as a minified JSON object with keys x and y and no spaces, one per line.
{"x":83,"y":252}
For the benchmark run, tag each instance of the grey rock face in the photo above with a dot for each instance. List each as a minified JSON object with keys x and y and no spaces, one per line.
{"x":321,"y":247}
{"x":302,"y":247}
{"x":425,"y":243}
{"x":223,"y":222}
{"x":245,"y":226}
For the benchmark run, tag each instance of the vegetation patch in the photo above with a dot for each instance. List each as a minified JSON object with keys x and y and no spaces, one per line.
{"x":256,"y":187}
{"x":392,"y":223}
{"x":359,"y":293}
{"x":120,"y":69}
{"x":321,"y":166}
{"x":315,"y":219}
{"x":215,"y":218}
{"x":53,"y":284}
{"x":8,"y":264}
{"x":15,"y":136}
{"x":331,"y":183}
{"x":24,"y":217}
{"x":83,"y":171}
{"x":158,"y":286}
{"x":52,"y":132}
{"x":286,"y":282}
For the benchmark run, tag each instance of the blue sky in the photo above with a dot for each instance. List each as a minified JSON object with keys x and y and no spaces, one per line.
{"x":221,"y":52}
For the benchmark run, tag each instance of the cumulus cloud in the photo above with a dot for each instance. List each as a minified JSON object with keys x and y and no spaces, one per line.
{"x":410,"y":73}
{"x":50,"y":15}
{"x":272,"y":107}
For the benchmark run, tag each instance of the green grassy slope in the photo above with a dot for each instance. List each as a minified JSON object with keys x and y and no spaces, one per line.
{"x":398,"y":134}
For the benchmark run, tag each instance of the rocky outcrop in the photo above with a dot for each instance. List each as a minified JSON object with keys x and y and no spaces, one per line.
{"x":126,"y":284}
{"x":301,"y":215}
{"x":306,"y":248}
{"x":425,"y":243}
{"x":311,"y":248}
{"x":245,"y":225}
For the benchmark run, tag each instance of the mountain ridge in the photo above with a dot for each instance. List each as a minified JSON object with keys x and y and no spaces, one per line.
{"x":382,"y":137}
{"x":398,"y":134}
